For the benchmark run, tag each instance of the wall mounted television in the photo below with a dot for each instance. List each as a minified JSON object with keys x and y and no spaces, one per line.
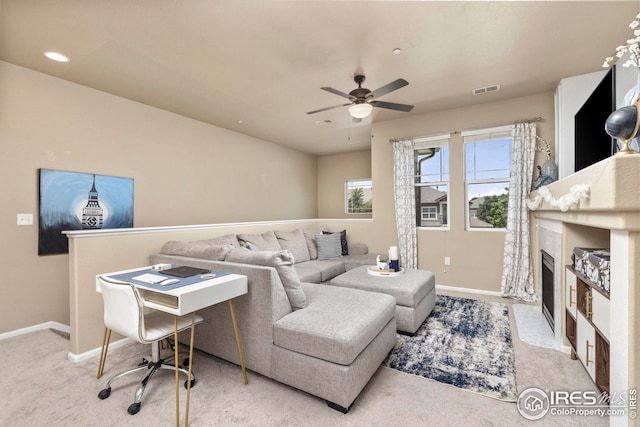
{"x":592,"y":143}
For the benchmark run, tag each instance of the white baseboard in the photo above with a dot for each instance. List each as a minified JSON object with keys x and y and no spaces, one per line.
{"x":76,"y":358}
{"x":565,"y":348}
{"x":64,"y":328}
{"x":46,"y":325}
{"x":468,"y":290}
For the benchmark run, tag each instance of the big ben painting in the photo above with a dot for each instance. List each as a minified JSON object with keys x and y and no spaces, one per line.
{"x":77,"y":201}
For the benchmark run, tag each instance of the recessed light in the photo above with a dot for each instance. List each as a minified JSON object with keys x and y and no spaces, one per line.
{"x":240,"y":121}
{"x":397,"y":51}
{"x":57,"y":56}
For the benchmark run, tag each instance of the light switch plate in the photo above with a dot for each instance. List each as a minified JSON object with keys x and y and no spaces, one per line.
{"x":25,"y":219}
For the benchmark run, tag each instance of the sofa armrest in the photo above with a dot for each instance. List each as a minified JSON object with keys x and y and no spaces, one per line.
{"x":358,"y":248}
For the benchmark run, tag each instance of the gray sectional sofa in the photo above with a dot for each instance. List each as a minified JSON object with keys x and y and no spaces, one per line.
{"x":325,"y":340}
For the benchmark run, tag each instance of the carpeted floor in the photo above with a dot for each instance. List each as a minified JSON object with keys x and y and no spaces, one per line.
{"x":465,"y":343}
{"x":41,"y":387}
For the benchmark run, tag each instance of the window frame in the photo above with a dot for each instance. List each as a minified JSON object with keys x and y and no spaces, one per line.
{"x":442,"y":140}
{"x":482,"y":135}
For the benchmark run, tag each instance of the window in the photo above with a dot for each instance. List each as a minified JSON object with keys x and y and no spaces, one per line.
{"x":432,"y":181}
{"x":429,"y":213}
{"x":487,"y":155}
{"x":358,"y":197}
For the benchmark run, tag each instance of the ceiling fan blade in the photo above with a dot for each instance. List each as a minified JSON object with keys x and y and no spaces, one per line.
{"x":395,"y":85}
{"x":328,"y":108}
{"x":337,"y":92}
{"x":392,"y":106}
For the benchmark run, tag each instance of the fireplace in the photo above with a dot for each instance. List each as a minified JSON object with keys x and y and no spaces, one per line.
{"x":548,"y":288}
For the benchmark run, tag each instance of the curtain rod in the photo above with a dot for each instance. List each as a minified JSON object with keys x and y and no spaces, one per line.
{"x":532,"y":120}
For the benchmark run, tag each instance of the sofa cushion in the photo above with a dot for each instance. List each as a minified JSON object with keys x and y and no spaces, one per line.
{"x":343,"y":240}
{"x":294,"y":242}
{"x":283,"y":263}
{"x":319,"y":271}
{"x":308,"y":272}
{"x":227,"y":239}
{"x":337,"y":324}
{"x":328,"y":246}
{"x":353,"y":261}
{"x":260,"y":242}
{"x":197,"y":249}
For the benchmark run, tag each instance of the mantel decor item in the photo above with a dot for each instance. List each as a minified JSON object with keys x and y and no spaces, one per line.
{"x":80,"y":201}
{"x":564,"y":203}
{"x":548,"y":172}
{"x":623,"y":125}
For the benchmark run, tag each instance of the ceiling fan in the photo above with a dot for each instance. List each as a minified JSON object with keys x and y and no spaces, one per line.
{"x":363,"y":100}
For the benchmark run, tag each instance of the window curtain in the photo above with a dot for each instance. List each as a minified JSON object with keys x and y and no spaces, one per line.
{"x":517,"y":273}
{"x":405,"y":204}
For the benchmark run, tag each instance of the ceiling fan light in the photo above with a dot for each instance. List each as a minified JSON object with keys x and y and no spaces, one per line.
{"x":360,"y":111}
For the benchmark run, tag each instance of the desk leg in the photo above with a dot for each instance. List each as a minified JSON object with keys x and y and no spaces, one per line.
{"x":106,"y":337}
{"x":175,"y":349}
{"x":235,"y":330}
{"x":193,"y":319}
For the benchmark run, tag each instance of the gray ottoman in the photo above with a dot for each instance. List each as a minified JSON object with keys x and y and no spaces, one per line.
{"x":414,"y":292}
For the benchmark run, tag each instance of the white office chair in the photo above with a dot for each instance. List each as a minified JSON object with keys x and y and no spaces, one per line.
{"x":124,"y":313}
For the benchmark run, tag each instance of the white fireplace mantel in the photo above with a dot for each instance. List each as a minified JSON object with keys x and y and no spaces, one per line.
{"x":614,"y":195}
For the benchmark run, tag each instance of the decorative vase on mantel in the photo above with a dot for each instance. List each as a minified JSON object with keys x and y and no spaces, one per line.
{"x":550,"y":169}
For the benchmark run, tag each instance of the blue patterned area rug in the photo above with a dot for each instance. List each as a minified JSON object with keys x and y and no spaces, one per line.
{"x":465,"y":343}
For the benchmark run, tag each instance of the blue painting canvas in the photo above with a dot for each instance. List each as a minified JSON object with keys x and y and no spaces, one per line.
{"x":77,"y":201}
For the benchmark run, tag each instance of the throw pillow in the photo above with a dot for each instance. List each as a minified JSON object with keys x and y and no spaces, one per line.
{"x":283,"y":263}
{"x":294,"y":242}
{"x":262,"y":242}
{"x":328,"y":246}
{"x":343,"y":241}
{"x":312,"y":246}
{"x":197,"y":249}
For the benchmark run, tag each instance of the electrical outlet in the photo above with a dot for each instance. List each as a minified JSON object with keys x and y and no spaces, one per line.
{"x":25,"y":219}
{"x":447,"y":260}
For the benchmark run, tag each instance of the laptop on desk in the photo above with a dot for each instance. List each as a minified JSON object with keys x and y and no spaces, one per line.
{"x":184,"y":271}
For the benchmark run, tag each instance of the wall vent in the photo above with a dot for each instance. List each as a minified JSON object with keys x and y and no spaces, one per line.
{"x":486,"y":89}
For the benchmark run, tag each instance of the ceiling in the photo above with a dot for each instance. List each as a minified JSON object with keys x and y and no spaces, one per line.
{"x":256,"y":67}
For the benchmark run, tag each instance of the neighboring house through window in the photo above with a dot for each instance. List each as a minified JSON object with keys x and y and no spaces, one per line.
{"x":487,"y":155}
{"x":432,"y":180}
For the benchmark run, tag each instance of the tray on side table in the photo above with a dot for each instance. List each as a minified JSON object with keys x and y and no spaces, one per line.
{"x":375,"y":271}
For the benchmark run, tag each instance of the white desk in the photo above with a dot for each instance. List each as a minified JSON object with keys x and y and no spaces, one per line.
{"x":187,"y":299}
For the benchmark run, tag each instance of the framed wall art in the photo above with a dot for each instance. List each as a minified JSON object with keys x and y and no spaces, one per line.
{"x":80,"y":201}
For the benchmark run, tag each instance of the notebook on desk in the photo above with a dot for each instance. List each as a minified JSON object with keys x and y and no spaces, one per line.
{"x":184,"y":271}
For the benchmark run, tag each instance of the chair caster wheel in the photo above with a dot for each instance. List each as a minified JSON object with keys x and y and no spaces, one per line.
{"x":186,"y":383}
{"x":104,"y":393}
{"x":134,"y":408}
